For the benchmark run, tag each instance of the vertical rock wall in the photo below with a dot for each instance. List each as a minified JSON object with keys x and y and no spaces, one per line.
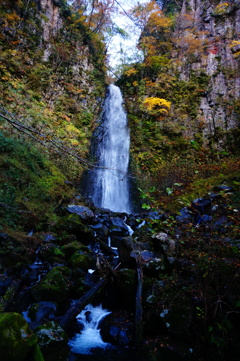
{"x":208,"y":35}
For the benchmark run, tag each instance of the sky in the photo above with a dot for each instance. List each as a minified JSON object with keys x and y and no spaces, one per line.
{"x":121,"y":50}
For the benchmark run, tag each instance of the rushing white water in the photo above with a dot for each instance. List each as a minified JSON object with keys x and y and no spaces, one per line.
{"x":110,"y":182}
{"x":89,"y":337}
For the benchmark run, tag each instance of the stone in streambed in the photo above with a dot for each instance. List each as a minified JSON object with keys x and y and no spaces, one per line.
{"x":53,"y":341}
{"x":53,"y":287}
{"x":17,"y":341}
{"x":72,"y":247}
{"x":80,"y":260}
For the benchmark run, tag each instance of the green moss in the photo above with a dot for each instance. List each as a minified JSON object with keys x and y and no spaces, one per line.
{"x":17,"y":341}
{"x":53,"y":287}
{"x":71,"y":224}
{"x":72,"y":247}
{"x":53,"y":341}
{"x":79,"y":260}
{"x":29,"y":182}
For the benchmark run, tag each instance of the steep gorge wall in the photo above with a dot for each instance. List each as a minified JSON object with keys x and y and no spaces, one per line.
{"x":215,"y":29}
{"x":51,"y":69}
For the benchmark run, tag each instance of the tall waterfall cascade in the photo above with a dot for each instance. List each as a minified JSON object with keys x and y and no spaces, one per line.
{"x":109,"y":186}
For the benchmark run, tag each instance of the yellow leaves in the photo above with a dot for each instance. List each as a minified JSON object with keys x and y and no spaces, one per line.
{"x":12,"y":18}
{"x":158,"y":22}
{"x":150,"y":84}
{"x":157,"y":106}
{"x":235,"y":47}
{"x":130,"y":72}
{"x":221,"y":8}
{"x":234,"y":43}
{"x":135,"y":83}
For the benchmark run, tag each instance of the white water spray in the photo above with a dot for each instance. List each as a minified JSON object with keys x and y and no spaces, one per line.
{"x":109,"y":182}
{"x":89,"y":337}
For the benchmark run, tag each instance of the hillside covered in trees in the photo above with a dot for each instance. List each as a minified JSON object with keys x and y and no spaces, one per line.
{"x":181,"y":265}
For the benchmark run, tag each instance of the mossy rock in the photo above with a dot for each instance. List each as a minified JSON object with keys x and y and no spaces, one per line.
{"x":53,"y":287}
{"x":70,"y":248}
{"x":72,"y":224}
{"x":17,"y":341}
{"x":80,"y":260}
{"x":53,"y":341}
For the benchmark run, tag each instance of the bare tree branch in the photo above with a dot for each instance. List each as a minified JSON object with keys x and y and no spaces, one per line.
{"x":51,"y":142}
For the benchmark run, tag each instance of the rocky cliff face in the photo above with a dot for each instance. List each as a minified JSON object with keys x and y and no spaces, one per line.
{"x":51,"y":69}
{"x":207,"y":37}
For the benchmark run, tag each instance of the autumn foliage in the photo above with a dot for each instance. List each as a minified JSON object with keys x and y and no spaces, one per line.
{"x":157,"y":106}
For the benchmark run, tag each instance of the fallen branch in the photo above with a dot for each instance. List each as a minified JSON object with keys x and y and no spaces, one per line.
{"x":82,"y":302}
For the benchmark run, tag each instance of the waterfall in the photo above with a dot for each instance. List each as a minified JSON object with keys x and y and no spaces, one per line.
{"x":89,"y":337}
{"x":108,"y":186}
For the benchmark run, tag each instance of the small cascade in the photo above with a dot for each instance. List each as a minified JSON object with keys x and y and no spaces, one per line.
{"x":108,"y":184}
{"x":90,"y":337}
{"x":37,"y":268}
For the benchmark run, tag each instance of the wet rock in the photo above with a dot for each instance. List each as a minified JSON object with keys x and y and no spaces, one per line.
{"x":221,"y":224}
{"x":46,"y":251}
{"x":202,"y":205}
{"x":5,"y":282}
{"x":162,"y":241}
{"x":49,"y":237}
{"x":38,"y":312}
{"x":119,"y":336}
{"x":80,"y":260}
{"x":53,"y":287}
{"x":185,"y":216}
{"x":118,"y":227}
{"x":8,"y":297}
{"x":84,"y":213}
{"x":223,"y":188}
{"x":72,"y":247}
{"x":17,"y":341}
{"x":72,"y":224}
{"x":53,"y":341}
{"x":150,"y":261}
{"x":118,"y":329}
{"x":100,"y":229}
{"x":125,"y":247}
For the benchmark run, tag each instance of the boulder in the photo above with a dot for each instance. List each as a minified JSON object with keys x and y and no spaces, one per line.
{"x":53,"y":287}
{"x":162,"y":241}
{"x":118,"y":329}
{"x":80,"y":260}
{"x":72,"y":224}
{"x":70,"y":248}
{"x":151,"y":262}
{"x":125,"y":246}
{"x":53,"y":341}
{"x":118,"y":227}
{"x":17,"y":341}
{"x":84,"y":213}
{"x":38,"y":312}
{"x":100,"y":229}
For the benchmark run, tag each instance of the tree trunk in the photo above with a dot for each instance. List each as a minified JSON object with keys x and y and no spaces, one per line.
{"x":139,"y":311}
